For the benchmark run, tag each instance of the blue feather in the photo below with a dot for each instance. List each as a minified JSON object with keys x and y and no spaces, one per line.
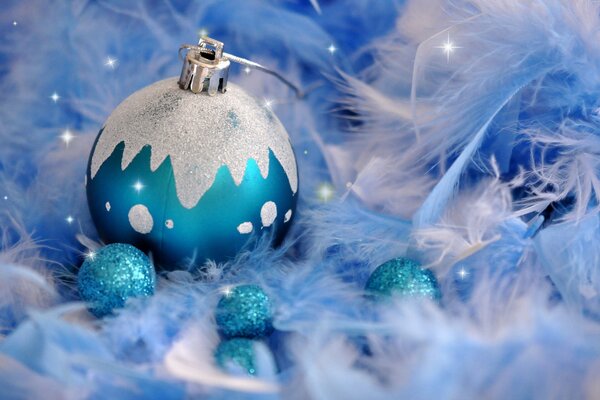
{"x":463,"y":133}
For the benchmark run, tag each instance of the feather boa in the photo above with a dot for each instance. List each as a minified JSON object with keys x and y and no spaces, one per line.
{"x":463,"y":133}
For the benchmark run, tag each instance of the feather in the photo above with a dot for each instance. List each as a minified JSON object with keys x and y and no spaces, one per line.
{"x":189,"y":360}
{"x":463,"y":133}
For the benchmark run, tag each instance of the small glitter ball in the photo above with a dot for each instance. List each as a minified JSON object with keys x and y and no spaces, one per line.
{"x":244,"y":311}
{"x":405,"y":277}
{"x":110,"y":276}
{"x":238,"y":351}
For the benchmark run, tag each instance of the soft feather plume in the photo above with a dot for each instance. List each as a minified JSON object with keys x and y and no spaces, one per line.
{"x":570,"y":255}
{"x":565,"y":168}
{"x":547,"y":69}
{"x":472,"y":221}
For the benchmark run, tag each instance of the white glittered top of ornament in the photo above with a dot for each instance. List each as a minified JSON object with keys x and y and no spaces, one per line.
{"x":199,"y":133}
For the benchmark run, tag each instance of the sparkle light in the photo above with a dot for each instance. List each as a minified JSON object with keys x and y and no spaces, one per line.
{"x":268,"y":103}
{"x":90,"y":255}
{"x":226,"y":290}
{"x":448,"y":47}
{"x":332,"y":49}
{"x":69,"y":220}
{"x":203,"y":33}
{"x":5,"y":197}
{"x":66,"y":137}
{"x":462,"y":273}
{"x":247,"y":70}
{"x":325,"y":192}
{"x":111,"y":62}
{"x":138,"y":186}
{"x":15,"y":23}
{"x":55,"y":97}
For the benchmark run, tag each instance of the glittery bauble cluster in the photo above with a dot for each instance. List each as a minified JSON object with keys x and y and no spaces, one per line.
{"x":189,"y":176}
{"x":404,"y":277}
{"x":244,"y":311}
{"x":238,"y":351}
{"x":111,"y":275}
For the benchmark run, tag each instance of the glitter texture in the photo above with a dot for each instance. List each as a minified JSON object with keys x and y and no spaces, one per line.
{"x":405,"y":277}
{"x":237,"y":351}
{"x":115,"y":273}
{"x":268,"y":213}
{"x":107,"y":206}
{"x":287,"y":216}
{"x":245,"y":311}
{"x":140,"y":219}
{"x":226,"y":129}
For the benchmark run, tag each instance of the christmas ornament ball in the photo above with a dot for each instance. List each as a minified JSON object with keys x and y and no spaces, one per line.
{"x":111,"y":275}
{"x":189,"y":176}
{"x":404,"y":277}
{"x":244,"y":311}
{"x":239,"y":351}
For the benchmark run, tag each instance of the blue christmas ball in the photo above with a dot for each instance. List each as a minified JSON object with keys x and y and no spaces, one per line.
{"x":191,"y":177}
{"x":244,"y":311}
{"x":113,"y":274}
{"x":404,"y":277}
{"x":239,"y":351}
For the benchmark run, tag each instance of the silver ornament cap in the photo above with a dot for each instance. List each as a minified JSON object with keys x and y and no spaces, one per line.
{"x":204,"y":67}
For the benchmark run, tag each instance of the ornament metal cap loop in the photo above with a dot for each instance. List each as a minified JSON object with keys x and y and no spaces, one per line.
{"x":204,"y":67}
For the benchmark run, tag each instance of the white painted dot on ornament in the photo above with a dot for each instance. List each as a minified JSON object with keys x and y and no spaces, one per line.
{"x":169,"y":224}
{"x":287,"y":216}
{"x":107,"y":205}
{"x":245,"y":228}
{"x":268,"y":213}
{"x":140,"y":219}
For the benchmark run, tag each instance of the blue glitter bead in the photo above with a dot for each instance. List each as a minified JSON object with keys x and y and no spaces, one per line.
{"x":238,"y":351}
{"x":112,"y":275}
{"x":245,"y":311}
{"x":404,"y":277}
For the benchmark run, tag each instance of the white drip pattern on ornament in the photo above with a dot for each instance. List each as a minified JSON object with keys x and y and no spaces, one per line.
{"x":193,"y":128}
